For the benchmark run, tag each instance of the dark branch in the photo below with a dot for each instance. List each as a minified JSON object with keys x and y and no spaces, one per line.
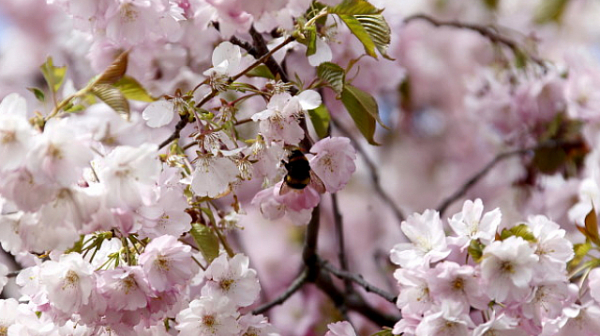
{"x":358,"y":279}
{"x":293,"y":288}
{"x":176,"y":133}
{"x":309,"y":253}
{"x":486,"y":31}
{"x":353,"y":301}
{"x":339,"y":231}
{"x":372,"y":170}
{"x":500,"y":157}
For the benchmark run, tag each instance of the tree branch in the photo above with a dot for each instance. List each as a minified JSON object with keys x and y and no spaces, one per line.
{"x":486,"y":31}
{"x":372,"y":171}
{"x":293,"y":288}
{"x":339,"y":231}
{"x":500,"y":157}
{"x":358,"y":279}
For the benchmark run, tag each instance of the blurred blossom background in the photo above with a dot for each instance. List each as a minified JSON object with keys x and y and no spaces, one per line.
{"x":452,"y":100}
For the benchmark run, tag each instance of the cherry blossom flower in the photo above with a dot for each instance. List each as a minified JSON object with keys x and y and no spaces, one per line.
{"x":167,"y":262}
{"x":69,"y":282}
{"x":471,"y":223}
{"x":16,"y":134}
{"x":233,"y":279}
{"x":507,"y":268}
{"x":333,"y":162}
{"x":125,"y":288}
{"x":450,"y":320}
{"x":213,"y":176}
{"x":501,"y":325}
{"x":57,"y":155}
{"x":553,"y":249}
{"x":256,"y":325}
{"x":272,"y":209}
{"x":428,"y":241}
{"x":343,"y":328}
{"x":451,"y":281}
{"x":209,"y":315}
{"x":415,"y":294}
{"x":129,"y":174}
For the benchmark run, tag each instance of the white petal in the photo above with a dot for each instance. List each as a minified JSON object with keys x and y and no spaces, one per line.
{"x":309,"y":99}
{"x":13,"y":104}
{"x":158,"y":113}
{"x":323,"y":54}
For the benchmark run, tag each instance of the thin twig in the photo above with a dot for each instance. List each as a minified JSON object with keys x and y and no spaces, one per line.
{"x":486,"y":31}
{"x":500,"y":157}
{"x":293,"y":288}
{"x":339,"y":231}
{"x":372,"y":171}
{"x":358,"y":279}
{"x":352,"y":301}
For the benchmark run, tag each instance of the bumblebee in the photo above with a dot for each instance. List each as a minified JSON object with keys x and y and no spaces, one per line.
{"x":299,"y":175}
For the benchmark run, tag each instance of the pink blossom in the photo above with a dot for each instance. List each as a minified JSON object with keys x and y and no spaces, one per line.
{"x":333,"y":162}
{"x":297,"y":199}
{"x":451,"y":319}
{"x":209,"y":315}
{"x":69,"y":282}
{"x":507,"y":268}
{"x":214,"y":176}
{"x":272,"y":209}
{"x":232,"y":278}
{"x":343,"y":328}
{"x":125,"y":288}
{"x":167,"y":263}
{"x":428,"y":241}
{"x":471,"y":224}
{"x":460,"y":283}
{"x":129,"y":175}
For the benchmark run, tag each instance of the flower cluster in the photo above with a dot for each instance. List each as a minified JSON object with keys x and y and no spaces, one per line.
{"x":483,"y":280}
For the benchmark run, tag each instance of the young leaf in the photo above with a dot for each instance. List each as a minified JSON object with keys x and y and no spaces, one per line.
{"x":309,"y":39}
{"x":384,"y":332}
{"x":333,"y":74}
{"x":132,"y":89}
{"x":115,"y":71}
{"x":521,"y":230}
{"x":581,"y":251}
{"x":261,"y":71}
{"x":379,"y":32}
{"x":113,"y":98}
{"x":475,"y":250}
{"x":591,"y":227}
{"x":550,"y":10}
{"x":207,"y":240}
{"x":39,"y":94}
{"x":320,"y":118}
{"x":361,"y":33}
{"x":354,"y":7}
{"x":54,"y":75}
{"x":363,"y":109}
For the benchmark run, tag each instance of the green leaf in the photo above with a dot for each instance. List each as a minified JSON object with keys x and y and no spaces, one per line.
{"x":113,"y":98}
{"x":549,"y":159}
{"x":320,"y":118}
{"x":132,"y":89}
{"x":384,"y":332}
{"x":39,"y":94}
{"x":309,"y":39}
{"x":354,"y":7}
{"x":115,"y":71}
{"x":521,"y":230}
{"x":591,"y":227}
{"x":475,"y":250}
{"x":379,"y":32}
{"x":207,"y":240}
{"x":333,"y":74}
{"x":363,"y":110}
{"x":581,"y":250}
{"x":53,"y":75}
{"x":261,"y":71}
{"x":361,"y":33}
{"x":550,"y":11}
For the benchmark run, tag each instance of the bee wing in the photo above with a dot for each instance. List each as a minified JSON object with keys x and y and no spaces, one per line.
{"x":285,"y":188}
{"x":317,"y":183}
